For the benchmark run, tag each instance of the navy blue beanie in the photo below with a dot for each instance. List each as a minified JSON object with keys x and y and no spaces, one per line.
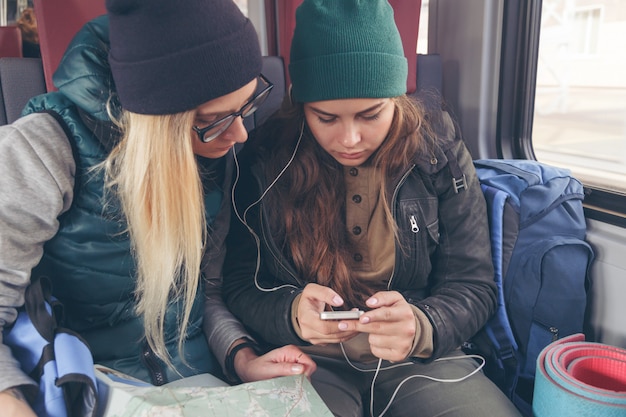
{"x":170,"y":56}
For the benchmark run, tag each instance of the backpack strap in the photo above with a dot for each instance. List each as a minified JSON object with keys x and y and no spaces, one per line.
{"x":25,"y":339}
{"x":39,"y":309}
{"x":498,"y":328}
{"x":57,"y":358}
{"x":443,"y":146}
{"x":459,"y":182}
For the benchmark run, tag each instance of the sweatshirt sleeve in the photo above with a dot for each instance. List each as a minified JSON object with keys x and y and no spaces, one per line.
{"x":220,"y":326}
{"x":36,"y":186}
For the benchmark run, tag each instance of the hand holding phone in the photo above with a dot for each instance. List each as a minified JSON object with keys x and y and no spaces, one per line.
{"x":341,"y":315}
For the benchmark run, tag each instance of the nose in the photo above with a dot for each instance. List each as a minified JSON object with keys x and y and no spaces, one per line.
{"x":237,"y":131}
{"x":350,"y":136}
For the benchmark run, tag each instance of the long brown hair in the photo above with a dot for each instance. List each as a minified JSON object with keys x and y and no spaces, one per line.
{"x":28,"y":25}
{"x":308,"y":202}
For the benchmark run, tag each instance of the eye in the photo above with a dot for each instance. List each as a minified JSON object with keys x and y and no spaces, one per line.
{"x":370,"y":117}
{"x":205,"y":121}
{"x":326,"y":120}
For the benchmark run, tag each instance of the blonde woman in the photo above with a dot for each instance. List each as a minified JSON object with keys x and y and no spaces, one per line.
{"x":128,"y":219}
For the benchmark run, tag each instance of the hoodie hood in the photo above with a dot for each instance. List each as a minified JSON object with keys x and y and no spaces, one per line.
{"x":84,"y":74}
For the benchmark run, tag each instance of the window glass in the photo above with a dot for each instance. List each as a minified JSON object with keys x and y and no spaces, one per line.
{"x":243,"y":5}
{"x":255,"y":11}
{"x":580,"y":104}
{"x":11,"y":10}
{"x":422,"y":33}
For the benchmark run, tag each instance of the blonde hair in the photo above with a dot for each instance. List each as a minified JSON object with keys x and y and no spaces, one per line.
{"x":154,"y":174}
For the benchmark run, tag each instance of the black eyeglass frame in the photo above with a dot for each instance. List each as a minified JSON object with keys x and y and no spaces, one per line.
{"x":253,"y":105}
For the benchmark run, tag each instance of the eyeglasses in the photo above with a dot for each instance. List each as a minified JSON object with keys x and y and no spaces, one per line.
{"x":212,"y":131}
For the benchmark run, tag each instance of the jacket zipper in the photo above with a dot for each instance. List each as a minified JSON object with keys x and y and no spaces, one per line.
{"x":270,"y":242}
{"x":395,"y":215}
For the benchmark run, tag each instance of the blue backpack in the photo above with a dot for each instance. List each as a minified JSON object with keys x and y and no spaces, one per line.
{"x":57,"y":358}
{"x":541,"y":262}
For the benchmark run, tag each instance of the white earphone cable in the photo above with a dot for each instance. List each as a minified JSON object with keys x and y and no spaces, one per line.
{"x":242,"y":218}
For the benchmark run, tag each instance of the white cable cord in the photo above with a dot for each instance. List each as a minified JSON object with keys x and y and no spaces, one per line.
{"x":393,"y":396}
{"x":242,"y":218}
{"x":256,"y":272}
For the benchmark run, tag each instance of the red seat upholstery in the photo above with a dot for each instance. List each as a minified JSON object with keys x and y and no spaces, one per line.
{"x":10,"y":42}
{"x":407,"y":16}
{"x":58,"y":21}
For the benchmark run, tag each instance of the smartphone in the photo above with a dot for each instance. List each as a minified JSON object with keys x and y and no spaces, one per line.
{"x":341,"y":315}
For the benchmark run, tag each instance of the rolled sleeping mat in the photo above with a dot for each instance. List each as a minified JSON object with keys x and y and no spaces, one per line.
{"x":578,"y":378}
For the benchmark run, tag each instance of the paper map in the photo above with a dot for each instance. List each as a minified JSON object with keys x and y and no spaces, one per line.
{"x":292,"y":396}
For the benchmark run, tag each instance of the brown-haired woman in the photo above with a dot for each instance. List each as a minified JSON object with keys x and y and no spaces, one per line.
{"x":355,"y":197}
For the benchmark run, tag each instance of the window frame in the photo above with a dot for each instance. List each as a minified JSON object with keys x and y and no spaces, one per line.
{"x":516,"y":98}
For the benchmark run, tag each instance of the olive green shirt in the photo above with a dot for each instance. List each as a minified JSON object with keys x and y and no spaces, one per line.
{"x":373,"y":248}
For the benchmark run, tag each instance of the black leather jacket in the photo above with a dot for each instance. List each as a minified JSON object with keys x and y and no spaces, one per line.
{"x":445,"y":269}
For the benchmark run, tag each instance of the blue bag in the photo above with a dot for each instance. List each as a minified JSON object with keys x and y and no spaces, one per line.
{"x":57,"y":358}
{"x":541,"y":262}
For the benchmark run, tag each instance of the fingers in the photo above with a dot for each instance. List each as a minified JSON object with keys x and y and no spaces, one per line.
{"x":391,"y":325}
{"x":12,"y":405}
{"x":331,"y":336}
{"x":393,"y":348}
{"x":318,"y":331}
{"x":385,"y":299}
{"x":284,"y":361}
{"x":292,"y":354}
{"x":319,"y":295}
{"x":315,"y":299}
{"x":387,"y":307}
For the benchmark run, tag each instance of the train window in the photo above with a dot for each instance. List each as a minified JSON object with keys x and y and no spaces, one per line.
{"x":11,"y":10}
{"x":422,"y":36}
{"x":243,"y":5}
{"x":580,"y":99}
{"x":255,"y":11}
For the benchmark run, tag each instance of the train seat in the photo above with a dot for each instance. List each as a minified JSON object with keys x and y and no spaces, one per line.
{"x":57,"y":26}
{"x":20,"y":79}
{"x":23,"y":78}
{"x":429,"y":74}
{"x":274,"y":70}
{"x":10,"y":41}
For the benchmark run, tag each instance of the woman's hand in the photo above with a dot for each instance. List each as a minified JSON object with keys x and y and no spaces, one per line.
{"x":284,"y":361}
{"x":313,"y":301}
{"x":391,"y":325}
{"x":13,"y":404}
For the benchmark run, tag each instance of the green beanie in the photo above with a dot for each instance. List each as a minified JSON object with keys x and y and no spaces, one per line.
{"x":346,"y":49}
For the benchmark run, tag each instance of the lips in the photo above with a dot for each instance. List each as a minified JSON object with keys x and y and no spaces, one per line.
{"x":223,"y":149}
{"x":353,"y":155}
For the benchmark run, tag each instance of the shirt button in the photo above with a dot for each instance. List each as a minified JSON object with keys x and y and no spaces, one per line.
{"x":356,"y":230}
{"x":357,"y":257}
{"x":354,"y":172}
{"x":356,"y":198}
